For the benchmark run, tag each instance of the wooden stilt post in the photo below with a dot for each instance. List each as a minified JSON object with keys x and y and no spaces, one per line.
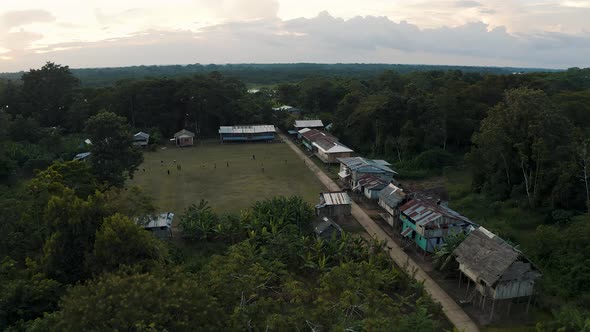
{"x":460,"y":277}
{"x":492,"y":311}
{"x":483,"y":307}
{"x":528,"y":304}
{"x":509,"y":304}
{"x":468,"y":284}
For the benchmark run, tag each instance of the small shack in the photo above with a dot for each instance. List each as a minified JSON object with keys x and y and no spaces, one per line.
{"x":326,"y":228}
{"x":311,"y":124}
{"x":370,"y":186}
{"x":247,"y":133}
{"x":141,"y":139}
{"x":184,"y":138}
{"x":390,"y":198}
{"x":160,"y":225}
{"x":334,"y":204}
{"x":497,"y":270}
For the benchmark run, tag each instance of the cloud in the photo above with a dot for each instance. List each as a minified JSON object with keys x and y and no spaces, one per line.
{"x":23,"y":17}
{"x":467,"y":4}
{"x":325,"y":39}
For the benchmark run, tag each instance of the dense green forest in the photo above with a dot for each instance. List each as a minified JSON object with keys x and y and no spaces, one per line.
{"x":521,"y":140}
{"x":264,"y":74}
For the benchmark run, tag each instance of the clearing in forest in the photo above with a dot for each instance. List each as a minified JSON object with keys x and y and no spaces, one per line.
{"x":231,"y":177}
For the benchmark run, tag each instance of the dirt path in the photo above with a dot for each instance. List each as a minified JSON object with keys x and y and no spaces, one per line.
{"x":454,"y":313}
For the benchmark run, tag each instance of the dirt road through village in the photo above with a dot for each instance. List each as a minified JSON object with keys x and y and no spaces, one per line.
{"x":454,"y":313}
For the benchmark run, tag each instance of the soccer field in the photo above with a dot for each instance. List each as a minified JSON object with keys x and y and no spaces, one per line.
{"x":205,"y":174}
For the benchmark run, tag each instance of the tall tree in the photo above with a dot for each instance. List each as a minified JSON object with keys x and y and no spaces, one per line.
{"x":114,"y":158}
{"x":49,"y":90}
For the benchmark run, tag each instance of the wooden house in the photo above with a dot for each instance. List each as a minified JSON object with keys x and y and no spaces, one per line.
{"x":496,"y":269}
{"x":370,"y":186}
{"x":247,"y":133}
{"x":326,"y":228}
{"x":329,"y":151}
{"x":160,"y":225}
{"x":428,"y":224}
{"x":334,"y":204}
{"x":352,"y":169}
{"x":311,"y":124}
{"x":141,"y":139}
{"x":390,"y":199}
{"x":184,"y":138}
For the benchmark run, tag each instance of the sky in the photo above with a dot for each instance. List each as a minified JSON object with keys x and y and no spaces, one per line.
{"x":110,"y":33}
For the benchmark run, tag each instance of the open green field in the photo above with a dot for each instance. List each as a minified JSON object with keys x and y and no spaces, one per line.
{"x":205,"y":175}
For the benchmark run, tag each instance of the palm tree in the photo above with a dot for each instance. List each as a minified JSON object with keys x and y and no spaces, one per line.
{"x":444,"y":255}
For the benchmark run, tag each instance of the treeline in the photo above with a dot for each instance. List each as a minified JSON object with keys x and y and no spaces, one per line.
{"x":264,"y":74}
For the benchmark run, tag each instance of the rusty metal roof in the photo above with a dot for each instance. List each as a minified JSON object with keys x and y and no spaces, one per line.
{"x":335,"y":198}
{"x":423,"y":212}
{"x":372,"y":182}
{"x":392,"y":195}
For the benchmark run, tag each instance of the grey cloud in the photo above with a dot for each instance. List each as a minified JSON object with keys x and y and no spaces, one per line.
{"x":327,"y":39}
{"x":22,"y":17}
{"x":467,"y":4}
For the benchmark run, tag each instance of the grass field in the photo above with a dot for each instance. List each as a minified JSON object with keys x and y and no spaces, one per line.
{"x":205,"y":175}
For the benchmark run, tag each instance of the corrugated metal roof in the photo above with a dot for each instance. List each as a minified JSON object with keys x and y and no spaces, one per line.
{"x":160,"y":220}
{"x":392,"y":195}
{"x":82,"y":156}
{"x":329,"y":146}
{"x":406,"y":232}
{"x":247,"y":129}
{"x":355,"y":163}
{"x":304,"y":130}
{"x":423,"y":212}
{"x":335,"y":198}
{"x":308,"y":123}
{"x":184,"y":132}
{"x":372,"y":182}
{"x":141,"y":134}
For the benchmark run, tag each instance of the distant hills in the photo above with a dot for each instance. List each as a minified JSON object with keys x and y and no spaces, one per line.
{"x":266,"y":74}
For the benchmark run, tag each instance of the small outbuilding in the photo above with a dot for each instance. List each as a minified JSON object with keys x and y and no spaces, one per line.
{"x":496,"y":269}
{"x":326,"y":228}
{"x":334,"y":204}
{"x":184,"y":138}
{"x":160,"y":225}
{"x":141,"y":139}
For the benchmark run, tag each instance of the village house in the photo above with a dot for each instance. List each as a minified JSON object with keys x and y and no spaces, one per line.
{"x":184,"y":138}
{"x":352,"y":169}
{"x":334,"y":204}
{"x":428,"y":224}
{"x":325,"y":228}
{"x":370,"y":186}
{"x":160,"y":225}
{"x":497,"y":270}
{"x":141,"y":139}
{"x":390,"y":198}
{"x":311,"y":124}
{"x":247,"y":133}
{"x":325,"y":146}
